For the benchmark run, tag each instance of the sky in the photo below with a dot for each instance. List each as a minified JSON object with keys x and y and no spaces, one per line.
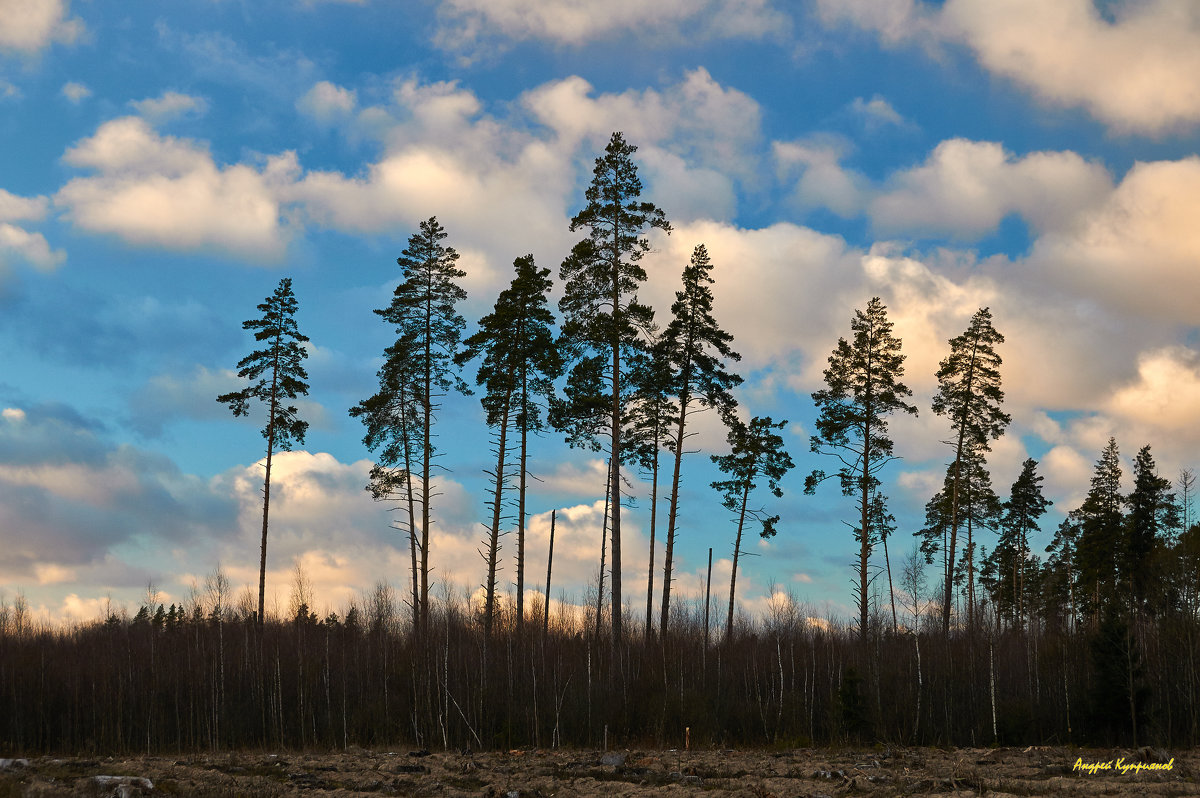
{"x":164,"y":165}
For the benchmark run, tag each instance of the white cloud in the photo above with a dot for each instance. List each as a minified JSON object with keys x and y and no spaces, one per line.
{"x":154,"y":190}
{"x":76,"y":92}
{"x":1137,"y":72}
{"x":467,"y":23}
{"x":1165,"y":396}
{"x":169,"y":105}
{"x":877,"y":111}
{"x":30,"y":25}
{"x":1137,"y":251}
{"x":966,"y":188}
{"x":17,"y":209}
{"x":326,"y":101}
{"x":823,"y":182}
{"x":30,"y":247}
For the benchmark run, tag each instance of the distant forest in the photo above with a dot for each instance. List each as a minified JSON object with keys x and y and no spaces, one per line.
{"x":1097,"y":642}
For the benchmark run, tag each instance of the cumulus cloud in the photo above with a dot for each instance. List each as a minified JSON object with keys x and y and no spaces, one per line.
{"x":68,"y":497}
{"x":31,"y":25}
{"x":169,"y":105}
{"x":162,"y":191}
{"x":468,"y":23}
{"x":1134,"y":67}
{"x":29,"y":247}
{"x":821,"y":180}
{"x":18,"y":243}
{"x":326,"y":101}
{"x":966,"y":188}
{"x":1137,"y":251}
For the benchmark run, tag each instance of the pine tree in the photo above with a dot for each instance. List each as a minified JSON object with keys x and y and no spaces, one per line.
{"x":520,"y":362}
{"x":695,"y":350}
{"x":756,"y":452}
{"x":864,"y":388}
{"x":978,"y":508}
{"x":429,"y":332}
{"x":969,"y":393}
{"x":277,"y":375}
{"x":604,"y":325}
{"x":392,"y":418}
{"x":651,"y":415}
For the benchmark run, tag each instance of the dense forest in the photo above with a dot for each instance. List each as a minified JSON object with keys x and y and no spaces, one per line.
{"x":1095,"y":642}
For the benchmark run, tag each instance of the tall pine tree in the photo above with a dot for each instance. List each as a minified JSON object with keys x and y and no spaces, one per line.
{"x":1101,"y":525}
{"x":864,"y":388}
{"x":277,"y":375}
{"x":695,"y":350}
{"x":520,"y":362}
{"x":429,"y":332}
{"x":969,"y":394}
{"x":604,"y":325}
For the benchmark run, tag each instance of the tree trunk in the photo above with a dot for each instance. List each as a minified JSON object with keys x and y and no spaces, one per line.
{"x":494,"y":539}
{"x":737,"y":548}
{"x":653,"y":524}
{"x":521,"y":497}
{"x":549,"y":569}
{"x":673,"y":513}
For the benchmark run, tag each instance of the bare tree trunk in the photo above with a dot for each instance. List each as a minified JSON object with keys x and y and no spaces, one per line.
{"x":521,"y":500}
{"x":737,"y":548}
{"x":603,"y":550}
{"x":549,"y":569}
{"x":653,"y":524}
{"x":673,"y":514}
{"x":494,"y":533}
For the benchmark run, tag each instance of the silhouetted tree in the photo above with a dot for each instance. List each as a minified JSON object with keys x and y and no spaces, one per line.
{"x":520,"y":362}
{"x":969,"y":394}
{"x":1153,"y":515}
{"x":695,"y":350}
{"x":277,"y":375}
{"x":1010,"y":559}
{"x":603,"y":321}
{"x":1101,"y":534}
{"x":864,"y":388}
{"x":429,"y":332}
{"x":756,"y":452}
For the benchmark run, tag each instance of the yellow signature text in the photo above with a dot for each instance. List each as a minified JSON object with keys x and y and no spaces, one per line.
{"x":1121,"y":766}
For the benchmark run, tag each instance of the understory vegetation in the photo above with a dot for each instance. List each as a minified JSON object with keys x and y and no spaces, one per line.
{"x":212,"y":678}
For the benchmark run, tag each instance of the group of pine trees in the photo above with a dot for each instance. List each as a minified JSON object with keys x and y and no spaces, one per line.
{"x":631,"y":385}
{"x":1100,"y":642}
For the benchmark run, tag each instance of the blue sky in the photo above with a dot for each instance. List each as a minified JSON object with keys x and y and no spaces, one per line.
{"x":164,"y":165}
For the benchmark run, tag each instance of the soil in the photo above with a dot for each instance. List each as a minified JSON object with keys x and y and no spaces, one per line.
{"x":879,"y":771}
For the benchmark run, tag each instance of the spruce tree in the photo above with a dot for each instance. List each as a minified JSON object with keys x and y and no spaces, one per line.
{"x":1153,"y":515}
{"x":277,"y":375}
{"x":1010,"y":560}
{"x":520,"y":362}
{"x":969,"y":394}
{"x":695,"y":350}
{"x":755,"y":452}
{"x":1101,"y":534}
{"x":429,"y":331}
{"x":604,"y":325}
{"x":864,"y":388}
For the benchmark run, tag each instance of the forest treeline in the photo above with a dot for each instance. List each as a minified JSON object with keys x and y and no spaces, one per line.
{"x":1096,"y":642}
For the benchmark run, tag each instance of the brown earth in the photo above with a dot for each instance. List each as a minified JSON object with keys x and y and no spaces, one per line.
{"x":880,"y":771}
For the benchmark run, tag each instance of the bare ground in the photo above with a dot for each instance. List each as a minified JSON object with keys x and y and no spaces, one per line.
{"x":879,"y":771}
